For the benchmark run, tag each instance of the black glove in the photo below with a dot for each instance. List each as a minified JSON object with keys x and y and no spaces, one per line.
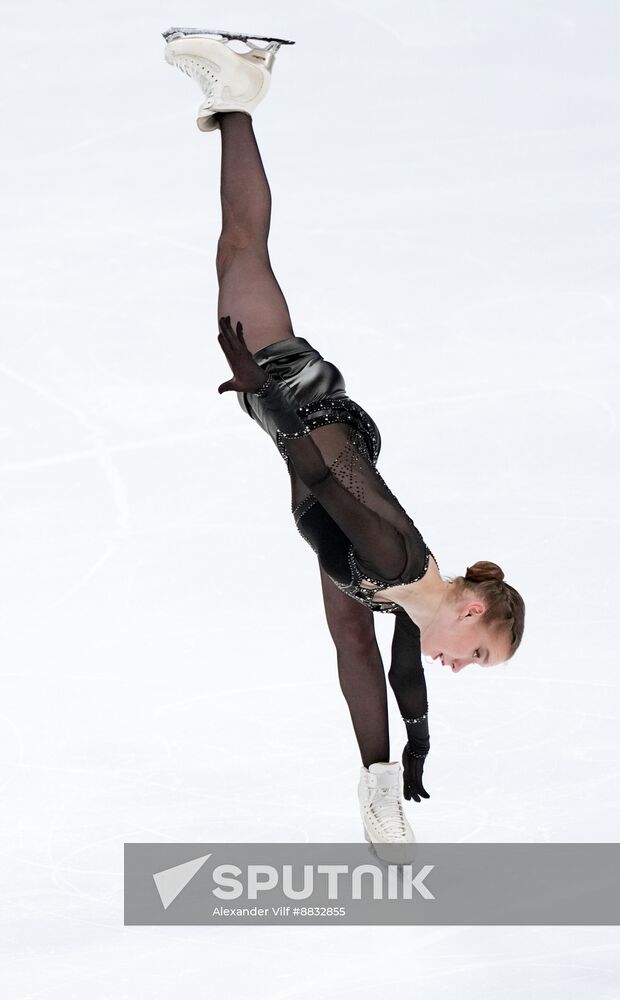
{"x":413,"y":765}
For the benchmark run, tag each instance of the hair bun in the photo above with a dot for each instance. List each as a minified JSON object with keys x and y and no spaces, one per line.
{"x":483,"y":571}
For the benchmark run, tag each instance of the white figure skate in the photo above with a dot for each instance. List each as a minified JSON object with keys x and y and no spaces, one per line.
{"x":230,"y":80}
{"x":382,"y":812}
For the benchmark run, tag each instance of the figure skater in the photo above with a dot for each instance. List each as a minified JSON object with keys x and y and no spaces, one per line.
{"x":371,"y":556}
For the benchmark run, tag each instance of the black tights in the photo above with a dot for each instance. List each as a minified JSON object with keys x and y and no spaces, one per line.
{"x":248,"y":288}
{"x":249,"y":292}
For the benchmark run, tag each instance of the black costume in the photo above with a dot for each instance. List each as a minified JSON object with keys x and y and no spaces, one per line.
{"x":341,"y":505}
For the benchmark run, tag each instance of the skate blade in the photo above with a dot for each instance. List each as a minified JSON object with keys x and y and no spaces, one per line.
{"x":393,"y":854}
{"x":173,"y":33}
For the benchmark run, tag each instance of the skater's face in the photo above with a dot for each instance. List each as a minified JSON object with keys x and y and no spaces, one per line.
{"x":460,"y":637}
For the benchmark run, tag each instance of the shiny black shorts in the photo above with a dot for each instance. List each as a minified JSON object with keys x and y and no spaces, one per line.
{"x":318,"y":385}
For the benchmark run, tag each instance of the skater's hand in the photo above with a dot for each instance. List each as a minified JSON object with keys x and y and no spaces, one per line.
{"x":412,"y":775}
{"x":248,"y":375}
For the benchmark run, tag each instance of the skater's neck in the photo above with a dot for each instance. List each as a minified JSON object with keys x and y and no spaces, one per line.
{"x":426,"y":598}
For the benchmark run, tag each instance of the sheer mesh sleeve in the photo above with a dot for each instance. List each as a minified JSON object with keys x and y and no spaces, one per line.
{"x":358,"y":501}
{"x":407,"y":680}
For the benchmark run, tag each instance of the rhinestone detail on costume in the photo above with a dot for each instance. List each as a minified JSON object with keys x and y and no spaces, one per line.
{"x":303,"y":507}
{"x":264,"y":389}
{"x":344,"y":469}
{"x":336,"y":411}
{"x":320,"y":413}
{"x":357,"y":576}
{"x":419,"y":719}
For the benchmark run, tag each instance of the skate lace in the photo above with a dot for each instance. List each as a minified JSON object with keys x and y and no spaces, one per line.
{"x":199,"y":71}
{"x":387,"y":808}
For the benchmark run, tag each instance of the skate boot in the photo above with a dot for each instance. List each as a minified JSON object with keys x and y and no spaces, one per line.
{"x":230,"y":80}
{"x":381,"y":808}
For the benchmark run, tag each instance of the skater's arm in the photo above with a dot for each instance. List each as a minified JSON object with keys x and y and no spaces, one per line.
{"x":406,"y":677}
{"x":377,"y":542}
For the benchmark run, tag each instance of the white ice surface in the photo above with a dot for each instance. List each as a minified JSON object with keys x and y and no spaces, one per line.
{"x":446,"y":215}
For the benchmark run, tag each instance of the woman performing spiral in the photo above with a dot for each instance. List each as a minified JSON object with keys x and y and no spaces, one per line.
{"x":372,"y":558}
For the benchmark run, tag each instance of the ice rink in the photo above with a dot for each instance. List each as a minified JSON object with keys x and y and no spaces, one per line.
{"x":445,"y":181}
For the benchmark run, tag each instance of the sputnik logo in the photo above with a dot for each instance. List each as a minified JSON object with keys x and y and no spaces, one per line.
{"x":171,"y":881}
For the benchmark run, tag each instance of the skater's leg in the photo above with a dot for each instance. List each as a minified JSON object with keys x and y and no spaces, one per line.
{"x":248,"y":290}
{"x":360,"y":671}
